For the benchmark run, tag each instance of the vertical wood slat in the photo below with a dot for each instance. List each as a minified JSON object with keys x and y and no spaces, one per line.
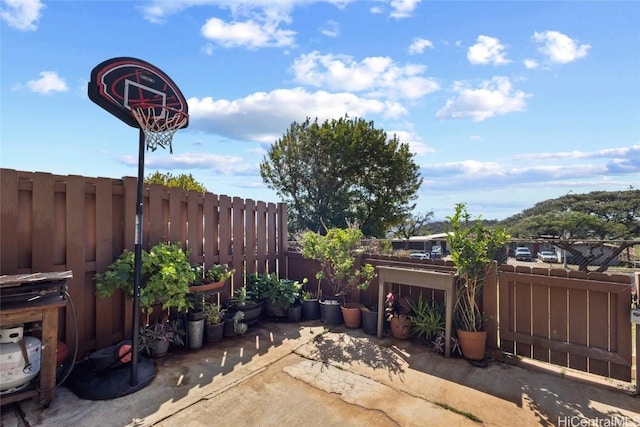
{"x":195,"y":227}
{"x":540,"y":315}
{"x":250,"y":236}
{"x":156,"y":218}
{"x":523,"y":313}
{"x":210,"y":212}
{"x":271,"y":237}
{"x":42,"y":217}
{"x":558,"y":321}
{"x":578,"y":326}
{"x":238,"y":246}
{"x":9,"y":209}
{"x":505,"y":303}
{"x":261,"y":230}
{"x":104,"y":257}
{"x":283,"y":233}
{"x":224,"y":230}
{"x":75,"y":259}
{"x":489,"y":307}
{"x":175,"y":216}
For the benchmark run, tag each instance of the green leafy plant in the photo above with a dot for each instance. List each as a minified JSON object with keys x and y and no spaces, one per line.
{"x":213,"y":313}
{"x":160,"y":331}
{"x":215,"y":273}
{"x":427,"y":320}
{"x":339,"y":252}
{"x":239,"y":327}
{"x":165,"y":277}
{"x":473,"y":248}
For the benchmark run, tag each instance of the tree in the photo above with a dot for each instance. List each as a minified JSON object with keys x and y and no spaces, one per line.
{"x":600,"y":215}
{"x":187,"y":182}
{"x":342,"y":171}
{"x":411,"y":226}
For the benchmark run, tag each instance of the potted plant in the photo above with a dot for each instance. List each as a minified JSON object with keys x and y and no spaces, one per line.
{"x":210,"y":279}
{"x":165,"y":276}
{"x":247,"y":299}
{"x":206,"y":281}
{"x":473,"y":248}
{"x":214,"y":320}
{"x":370,"y":319}
{"x":396,"y":315}
{"x":234,"y":324}
{"x":338,"y":252}
{"x":155,"y":339}
{"x":427,"y":320}
{"x":310,"y":305}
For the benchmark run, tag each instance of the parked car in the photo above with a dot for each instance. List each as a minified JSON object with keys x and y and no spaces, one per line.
{"x":436,"y":252}
{"x":419,"y":255}
{"x":547,"y":256}
{"x":523,"y":254}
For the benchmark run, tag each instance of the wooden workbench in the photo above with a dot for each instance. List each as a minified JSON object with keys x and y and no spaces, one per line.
{"x":43,"y":388}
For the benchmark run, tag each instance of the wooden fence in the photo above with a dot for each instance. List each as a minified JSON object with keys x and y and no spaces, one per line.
{"x":52,"y":223}
{"x":573,"y":319}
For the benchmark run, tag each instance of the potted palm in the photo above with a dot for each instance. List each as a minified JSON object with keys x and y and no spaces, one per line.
{"x":339,"y":253}
{"x":473,"y":248}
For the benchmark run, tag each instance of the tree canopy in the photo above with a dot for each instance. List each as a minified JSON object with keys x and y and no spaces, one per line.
{"x":612,"y":216}
{"x":340,"y":172}
{"x":187,"y":182}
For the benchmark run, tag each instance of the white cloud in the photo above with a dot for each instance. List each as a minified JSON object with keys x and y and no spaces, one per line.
{"x":250,"y":34}
{"x":21,"y":14}
{"x":487,"y":50}
{"x":330,"y":29}
{"x":493,"y":97}
{"x":416,"y":145}
{"x":48,"y":82}
{"x":218,"y":164}
{"x":559,"y":47}
{"x":262,"y":116}
{"x":419,"y":45}
{"x":530,"y":63}
{"x":403,"y":8}
{"x":375,"y":76}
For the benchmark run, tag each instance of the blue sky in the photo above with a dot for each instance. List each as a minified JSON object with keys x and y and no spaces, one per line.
{"x":504,"y":103}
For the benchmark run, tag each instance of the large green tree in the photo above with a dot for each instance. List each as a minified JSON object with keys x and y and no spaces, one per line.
{"x":607,"y":216}
{"x":340,"y":172}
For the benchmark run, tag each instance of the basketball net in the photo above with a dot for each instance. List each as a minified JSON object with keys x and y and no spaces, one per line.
{"x":158,"y":127}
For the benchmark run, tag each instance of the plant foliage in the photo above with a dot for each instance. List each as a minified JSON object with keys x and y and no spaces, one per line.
{"x":339,"y":253}
{"x":339,"y":171}
{"x":165,"y":277}
{"x":473,"y":247}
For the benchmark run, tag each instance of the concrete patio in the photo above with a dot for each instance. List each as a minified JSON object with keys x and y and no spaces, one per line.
{"x":304,"y":375}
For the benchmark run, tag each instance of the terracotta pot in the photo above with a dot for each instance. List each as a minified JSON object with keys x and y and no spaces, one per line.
{"x":472,"y":344}
{"x":206,"y":287}
{"x":352,"y":314}
{"x":400,"y":327}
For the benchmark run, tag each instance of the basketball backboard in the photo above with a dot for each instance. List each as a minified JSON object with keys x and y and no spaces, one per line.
{"x":117,"y":84}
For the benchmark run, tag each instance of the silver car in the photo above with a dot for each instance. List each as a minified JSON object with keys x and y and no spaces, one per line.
{"x":547,"y":256}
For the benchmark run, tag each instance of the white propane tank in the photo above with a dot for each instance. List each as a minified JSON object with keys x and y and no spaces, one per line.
{"x":15,"y":371}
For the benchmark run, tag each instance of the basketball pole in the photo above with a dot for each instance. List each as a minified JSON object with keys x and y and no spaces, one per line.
{"x":137,"y":270}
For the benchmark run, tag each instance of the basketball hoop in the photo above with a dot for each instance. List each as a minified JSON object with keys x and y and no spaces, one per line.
{"x":159,"y":123}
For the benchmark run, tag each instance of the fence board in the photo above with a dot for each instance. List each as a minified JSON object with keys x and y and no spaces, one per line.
{"x":104,"y":255}
{"x":10,"y":235}
{"x":42,"y":220}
